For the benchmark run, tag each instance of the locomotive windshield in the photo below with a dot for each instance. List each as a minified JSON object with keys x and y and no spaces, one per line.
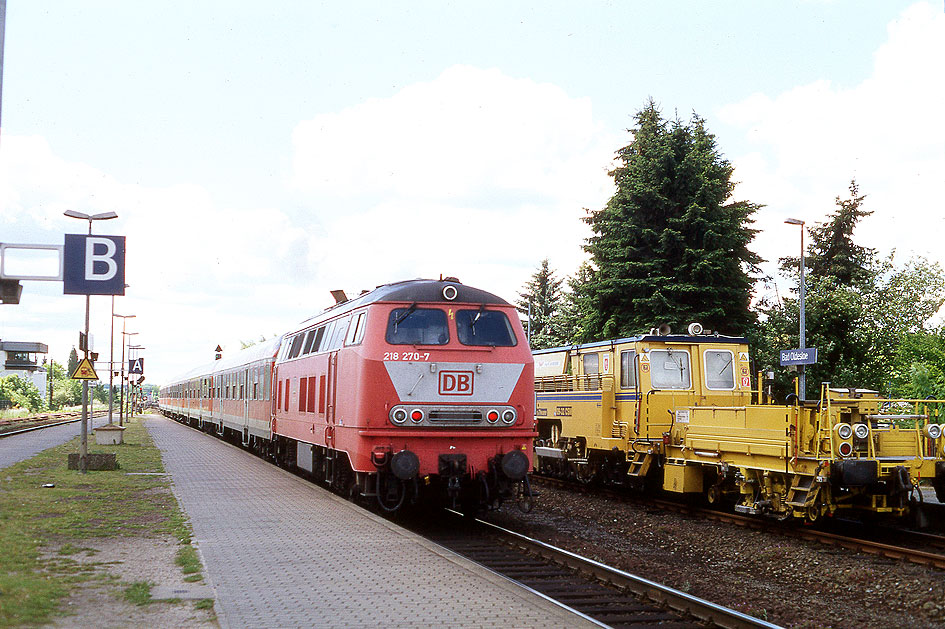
{"x":484,"y":327}
{"x":669,"y":369}
{"x":417,"y":326}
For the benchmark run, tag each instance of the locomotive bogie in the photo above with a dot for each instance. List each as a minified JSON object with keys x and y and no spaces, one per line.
{"x":680,"y":412}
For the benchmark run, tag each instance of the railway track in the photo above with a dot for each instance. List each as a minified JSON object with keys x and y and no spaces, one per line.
{"x":605,"y":595}
{"x":858,"y":543}
{"x":45,"y":420}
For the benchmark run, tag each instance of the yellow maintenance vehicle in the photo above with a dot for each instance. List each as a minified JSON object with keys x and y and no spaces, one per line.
{"x":680,"y":412}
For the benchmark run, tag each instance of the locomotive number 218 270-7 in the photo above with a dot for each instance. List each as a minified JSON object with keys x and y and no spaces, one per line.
{"x":406,"y":355}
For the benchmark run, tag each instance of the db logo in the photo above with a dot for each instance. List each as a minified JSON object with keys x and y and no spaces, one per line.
{"x":456,"y":383}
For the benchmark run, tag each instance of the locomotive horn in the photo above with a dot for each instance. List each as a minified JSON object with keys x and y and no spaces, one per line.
{"x":664,"y":329}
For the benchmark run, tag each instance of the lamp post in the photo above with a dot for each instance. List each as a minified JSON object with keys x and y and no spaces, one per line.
{"x":84,"y":430}
{"x":111,"y":364}
{"x":131,"y":387}
{"x":802,"y":332}
{"x":121,"y":409}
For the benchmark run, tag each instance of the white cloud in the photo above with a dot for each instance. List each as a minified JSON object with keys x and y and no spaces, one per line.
{"x":887,"y":132}
{"x":199,"y":274}
{"x":475,"y":174}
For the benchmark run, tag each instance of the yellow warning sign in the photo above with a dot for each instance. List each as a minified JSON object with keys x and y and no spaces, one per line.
{"x":85,"y":371}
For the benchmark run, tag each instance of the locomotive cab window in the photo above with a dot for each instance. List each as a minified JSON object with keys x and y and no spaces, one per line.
{"x":417,"y":326}
{"x":719,"y":370}
{"x":482,"y":327}
{"x":628,"y":370}
{"x":669,"y":369}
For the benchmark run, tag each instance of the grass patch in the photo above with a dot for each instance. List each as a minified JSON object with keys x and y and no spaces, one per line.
{"x":188,"y":560}
{"x":204,"y":603}
{"x":42,"y":529}
{"x":138,"y":593}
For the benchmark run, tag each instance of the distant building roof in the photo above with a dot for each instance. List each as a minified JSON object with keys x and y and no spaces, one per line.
{"x":24,"y":346}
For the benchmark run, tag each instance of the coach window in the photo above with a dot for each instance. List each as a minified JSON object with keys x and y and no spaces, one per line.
{"x":356,"y":330}
{"x":417,"y":326}
{"x":669,"y":369}
{"x":309,"y":339}
{"x":628,"y":371}
{"x":338,"y":336}
{"x":487,"y":328}
{"x":319,"y":335}
{"x":326,"y":333}
{"x":296,"y":349}
{"x":719,"y":370}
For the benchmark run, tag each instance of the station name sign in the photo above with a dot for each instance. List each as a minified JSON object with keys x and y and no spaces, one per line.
{"x":805,"y":356}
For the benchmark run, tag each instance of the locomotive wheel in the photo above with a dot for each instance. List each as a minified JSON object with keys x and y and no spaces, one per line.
{"x":584,"y":473}
{"x":555,"y":434}
{"x":812,"y":513}
{"x":713,"y":494}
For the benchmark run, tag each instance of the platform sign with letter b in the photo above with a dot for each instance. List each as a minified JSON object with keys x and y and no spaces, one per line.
{"x":93,"y":265}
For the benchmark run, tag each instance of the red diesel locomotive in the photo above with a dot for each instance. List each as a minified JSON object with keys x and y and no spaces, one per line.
{"x":418,"y":388}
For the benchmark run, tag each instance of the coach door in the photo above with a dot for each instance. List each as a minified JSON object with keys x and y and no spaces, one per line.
{"x":249,"y":392}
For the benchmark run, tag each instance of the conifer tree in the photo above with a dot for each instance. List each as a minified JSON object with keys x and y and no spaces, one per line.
{"x":73,"y":363}
{"x":670,"y":246}
{"x":542,"y":300}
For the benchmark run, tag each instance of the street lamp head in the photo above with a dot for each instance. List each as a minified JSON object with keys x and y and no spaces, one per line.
{"x":794,"y":221}
{"x":103,"y":216}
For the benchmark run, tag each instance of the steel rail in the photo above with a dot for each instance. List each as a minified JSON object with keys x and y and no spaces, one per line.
{"x":702,"y":609}
{"x":78,"y":417}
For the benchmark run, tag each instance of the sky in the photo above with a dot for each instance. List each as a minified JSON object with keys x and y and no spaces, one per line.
{"x":259,"y":155}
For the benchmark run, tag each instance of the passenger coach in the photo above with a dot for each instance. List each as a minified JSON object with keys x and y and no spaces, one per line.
{"x":416,"y":388}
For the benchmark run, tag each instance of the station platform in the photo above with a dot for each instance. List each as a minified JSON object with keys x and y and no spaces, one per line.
{"x":282,"y":552}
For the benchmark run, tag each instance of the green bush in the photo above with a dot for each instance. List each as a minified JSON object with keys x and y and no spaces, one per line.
{"x":22,"y":393}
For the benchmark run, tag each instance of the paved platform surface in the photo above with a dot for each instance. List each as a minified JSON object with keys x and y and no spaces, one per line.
{"x":282,"y":552}
{"x":16,"y":448}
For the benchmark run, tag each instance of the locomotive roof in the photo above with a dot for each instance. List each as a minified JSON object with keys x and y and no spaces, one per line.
{"x":410,"y":291}
{"x":660,"y":338}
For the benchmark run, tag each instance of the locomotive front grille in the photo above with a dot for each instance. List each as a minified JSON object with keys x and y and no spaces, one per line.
{"x":460,"y":415}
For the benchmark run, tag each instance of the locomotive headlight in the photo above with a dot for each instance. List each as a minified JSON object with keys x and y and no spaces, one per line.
{"x":398,"y":416}
{"x":933,"y":431}
{"x":844,"y":431}
{"x":508,"y":416}
{"x":416,"y":415}
{"x":861,"y":431}
{"x":492,"y":416}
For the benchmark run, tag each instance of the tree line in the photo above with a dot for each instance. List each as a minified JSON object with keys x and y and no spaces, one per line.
{"x":66,"y":392}
{"x":671,"y":246}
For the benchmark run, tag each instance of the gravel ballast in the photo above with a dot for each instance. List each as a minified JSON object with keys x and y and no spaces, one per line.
{"x":786,"y":581}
